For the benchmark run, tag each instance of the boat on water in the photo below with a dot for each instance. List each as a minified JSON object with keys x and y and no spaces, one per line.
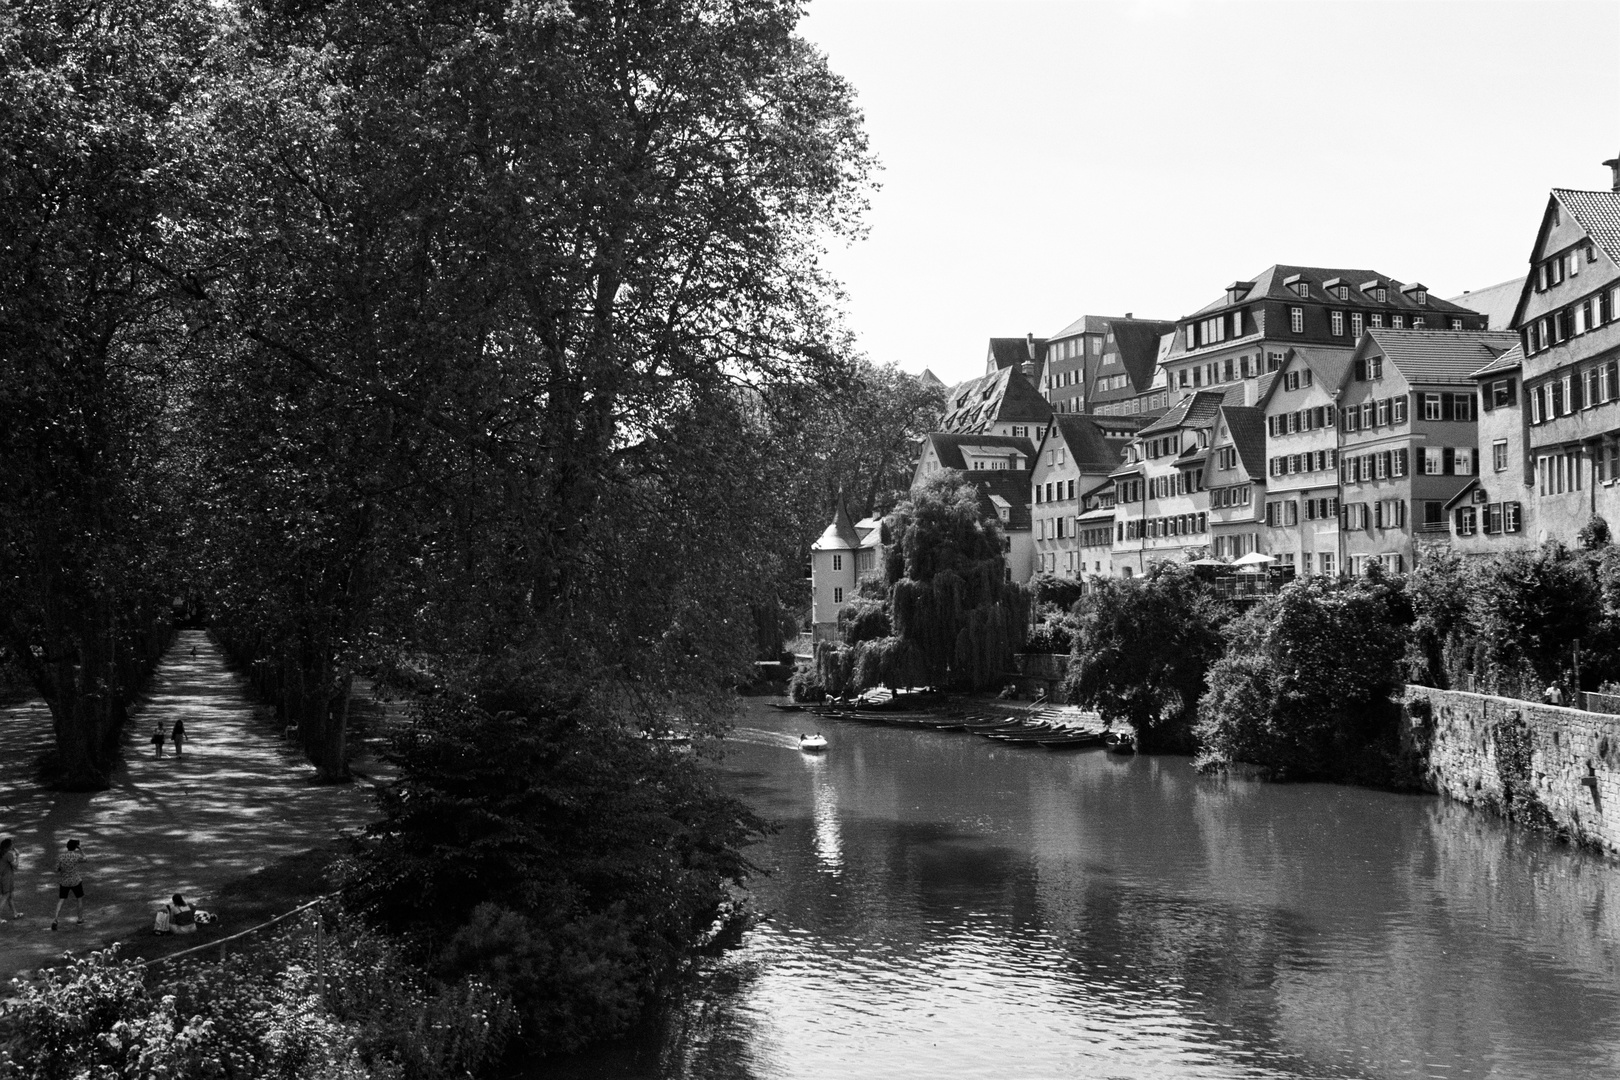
{"x":1120,"y":743}
{"x":816,"y":742}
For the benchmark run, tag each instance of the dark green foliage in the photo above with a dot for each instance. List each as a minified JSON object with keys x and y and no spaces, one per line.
{"x":1527,"y":610}
{"x":806,"y":686}
{"x":1048,"y":590}
{"x":863,"y":619}
{"x":1143,"y":647}
{"x":1054,"y":632}
{"x":1305,"y":686}
{"x":286,"y":1006}
{"x":1595,"y":533}
{"x":570,"y":865}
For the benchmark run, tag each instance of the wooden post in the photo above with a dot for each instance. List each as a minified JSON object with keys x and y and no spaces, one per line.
{"x":1580,"y":698}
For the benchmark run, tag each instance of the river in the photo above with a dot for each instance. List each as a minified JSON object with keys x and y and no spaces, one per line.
{"x":940,"y":905}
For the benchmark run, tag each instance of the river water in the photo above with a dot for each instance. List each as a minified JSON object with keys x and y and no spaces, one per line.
{"x":941,"y":905}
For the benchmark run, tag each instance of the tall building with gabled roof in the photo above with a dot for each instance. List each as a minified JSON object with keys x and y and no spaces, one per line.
{"x":1161,"y":510}
{"x":1409,"y":438}
{"x":1071,"y":464}
{"x":1235,"y":339}
{"x":1568,"y":321}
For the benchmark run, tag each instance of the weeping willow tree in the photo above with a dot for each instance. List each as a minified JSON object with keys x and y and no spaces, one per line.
{"x":955,"y":619}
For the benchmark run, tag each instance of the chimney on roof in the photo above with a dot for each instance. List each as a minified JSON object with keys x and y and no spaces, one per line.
{"x":1614,"y":164}
{"x":1029,"y":343}
{"x":1128,"y":315}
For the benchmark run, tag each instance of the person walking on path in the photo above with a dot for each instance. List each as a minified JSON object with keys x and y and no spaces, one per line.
{"x":8,"y":878}
{"x":178,"y":735}
{"x":157,"y":738}
{"x":70,"y":880}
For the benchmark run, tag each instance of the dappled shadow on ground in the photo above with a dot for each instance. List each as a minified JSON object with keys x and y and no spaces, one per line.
{"x":236,"y":800}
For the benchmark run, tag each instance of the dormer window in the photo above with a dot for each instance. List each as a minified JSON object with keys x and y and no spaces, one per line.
{"x":1376,"y":289}
{"x":1337,"y":288}
{"x":1302,"y":288}
{"x":1238,"y":290}
{"x":1418,"y":293}
{"x":1381,"y":295}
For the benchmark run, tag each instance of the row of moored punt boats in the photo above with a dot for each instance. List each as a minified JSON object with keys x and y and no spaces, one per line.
{"x":1050,"y":729}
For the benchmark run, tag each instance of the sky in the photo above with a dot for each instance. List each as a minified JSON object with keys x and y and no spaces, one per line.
{"x":1046,"y":160}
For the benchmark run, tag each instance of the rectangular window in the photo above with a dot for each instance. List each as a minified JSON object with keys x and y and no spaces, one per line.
{"x":1383,"y":412}
{"x":1433,"y":461}
{"x":1398,"y":321}
{"x":1499,"y":455}
{"x":1399,"y":411}
{"x":1465,"y":521}
{"x":1510,"y":517}
{"x":1337,"y":319}
{"x":838,"y":595}
{"x":1296,"y":320}
{"x":1377,"y":321}
{"x":1431,"y":406}
{"x":838,"y":562}
{"x":1356,"y":323}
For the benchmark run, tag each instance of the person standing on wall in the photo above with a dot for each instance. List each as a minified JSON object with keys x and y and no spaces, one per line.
{"x":70,"y":881}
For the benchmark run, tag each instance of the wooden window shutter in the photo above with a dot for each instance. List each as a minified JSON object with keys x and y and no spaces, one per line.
{"x":1448,"y":461}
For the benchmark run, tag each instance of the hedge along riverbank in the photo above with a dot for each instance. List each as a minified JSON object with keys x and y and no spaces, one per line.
{"x":1548,"y":767}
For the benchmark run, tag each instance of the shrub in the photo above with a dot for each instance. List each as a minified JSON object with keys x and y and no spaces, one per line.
{"x":805,"y":685}
{"x":1143,"y":647}
{"x":609,"y":858}
{"x":1304,"y":687}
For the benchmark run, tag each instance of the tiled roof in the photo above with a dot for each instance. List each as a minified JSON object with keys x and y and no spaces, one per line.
{"x":1102,"y":513}
{"x":1495,"y":302}
{"x":1085,"y":324}
{"x":928,"y":378}
{"x":1012,"y":485}
{"x":1171,"y":419}
{"x":1598,"y":212}
{"x":840,"y":535}
{"x":1457,"y":499}
{"x":1247,"y":425}
{"x":1010,"y":351}
{"x":1441,"y":356}
{"x":1087,"y":445}
{"x":948,"y":446}
{"x":1003,"y":397}
{"x":1138,"y":344}
{"x":1268,"y":285}
{"x":1328,"y":365}
{"x":1509,"y":360}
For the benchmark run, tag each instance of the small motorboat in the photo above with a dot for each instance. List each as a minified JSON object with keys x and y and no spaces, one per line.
{"x":815,"y":742}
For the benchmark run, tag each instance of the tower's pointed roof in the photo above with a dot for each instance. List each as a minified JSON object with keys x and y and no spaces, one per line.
{"x":840,"y":535}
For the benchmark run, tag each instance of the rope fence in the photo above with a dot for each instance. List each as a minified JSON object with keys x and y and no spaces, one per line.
{"x":222,"y":943}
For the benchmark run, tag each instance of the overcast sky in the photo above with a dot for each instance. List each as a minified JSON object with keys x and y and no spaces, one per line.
{"x":1042,"y":161}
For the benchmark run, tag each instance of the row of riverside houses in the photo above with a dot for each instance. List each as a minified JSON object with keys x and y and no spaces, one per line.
{"x":1324,"y":417}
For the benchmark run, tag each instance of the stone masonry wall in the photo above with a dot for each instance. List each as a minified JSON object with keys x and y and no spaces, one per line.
{"x":1549,"y":767}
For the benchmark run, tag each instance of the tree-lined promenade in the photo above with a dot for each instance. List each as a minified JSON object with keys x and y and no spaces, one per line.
{"x":238,"y":800}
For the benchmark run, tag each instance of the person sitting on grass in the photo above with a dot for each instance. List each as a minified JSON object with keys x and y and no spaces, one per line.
{"x":182,"y":916}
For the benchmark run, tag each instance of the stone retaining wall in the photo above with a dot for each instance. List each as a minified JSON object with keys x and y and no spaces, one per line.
{"x":1550,"y":767}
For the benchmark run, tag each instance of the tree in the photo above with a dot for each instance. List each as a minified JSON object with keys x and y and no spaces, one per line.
{"x":1143,"y":647}
{"x":90,"y":164}
{"x":1528,"y":609}
{"x":953,"y":619}
{"x":1305,"y":685}
{"x":542,"y":281}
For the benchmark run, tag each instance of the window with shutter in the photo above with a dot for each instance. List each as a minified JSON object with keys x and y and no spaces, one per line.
{"x":1399,"y":412}
{"x":1510,"y":517}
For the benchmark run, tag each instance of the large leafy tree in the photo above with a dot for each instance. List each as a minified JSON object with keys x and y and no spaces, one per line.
{"x":1142,"y":649}
{"x":90,"y":164}
{"x":1306,"y":684}
{"x":514,"y":285}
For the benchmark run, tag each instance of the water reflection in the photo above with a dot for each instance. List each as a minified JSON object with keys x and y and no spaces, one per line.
{"x":942,"y":906}
{"x":824,"y":795}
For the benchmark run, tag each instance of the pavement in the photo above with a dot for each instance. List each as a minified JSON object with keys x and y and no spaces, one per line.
{"x":237,"y":800}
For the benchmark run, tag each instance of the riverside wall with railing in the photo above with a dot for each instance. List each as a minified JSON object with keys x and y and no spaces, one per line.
{"x":1543,"y":765}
